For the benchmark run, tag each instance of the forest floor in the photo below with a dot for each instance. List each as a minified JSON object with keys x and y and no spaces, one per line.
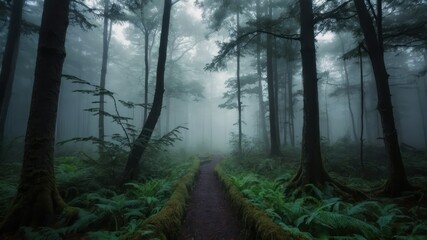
{"x":209,"y":215}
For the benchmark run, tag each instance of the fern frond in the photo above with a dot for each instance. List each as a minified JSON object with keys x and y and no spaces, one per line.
{"x":341,"y":223}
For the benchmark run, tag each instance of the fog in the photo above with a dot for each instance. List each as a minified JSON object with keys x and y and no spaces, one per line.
{"x":213,"y":119}
{"x":192,"y":94}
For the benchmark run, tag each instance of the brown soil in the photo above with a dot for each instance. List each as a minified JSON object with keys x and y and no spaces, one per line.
{"x":209,"y":214}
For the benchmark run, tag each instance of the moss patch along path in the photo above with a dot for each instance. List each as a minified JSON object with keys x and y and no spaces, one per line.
{"x":209,"y":215}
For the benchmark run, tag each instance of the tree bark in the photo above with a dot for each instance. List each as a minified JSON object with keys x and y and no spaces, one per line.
{"x":37,"y":202}
{"x":311,"y":170}
{"x":9,"y":63}
{"x":397,"y":180}
{"x":104,"y":64}
{"x":262,"y":121}
{"x":274,"y":125}
{"x":141,"y":142}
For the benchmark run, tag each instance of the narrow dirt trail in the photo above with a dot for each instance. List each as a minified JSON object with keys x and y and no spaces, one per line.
{"x":209,"y":214}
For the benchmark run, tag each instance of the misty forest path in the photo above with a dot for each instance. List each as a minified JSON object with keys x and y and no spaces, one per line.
{"x":209,"y":213}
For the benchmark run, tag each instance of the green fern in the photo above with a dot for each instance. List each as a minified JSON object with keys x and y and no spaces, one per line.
{"x":84,"y":220}
{"x":338,"y":223}
{"x":101,"y":235}
{"x":117,"y":208}
{"x":41,"y":233}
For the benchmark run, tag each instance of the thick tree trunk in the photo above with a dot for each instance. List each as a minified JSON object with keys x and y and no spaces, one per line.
{"x":37,"y":202}
{"x":397,"y":180}
{"x":105,"y":48}
{"x":274,"y":125}
{"x":9,"y":64}
{"x":141,"y":142}
{"x":311,"y":170}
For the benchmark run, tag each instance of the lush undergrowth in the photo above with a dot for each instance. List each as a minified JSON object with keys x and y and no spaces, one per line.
{"x":321,"y":215}
{"x":106,"y":211}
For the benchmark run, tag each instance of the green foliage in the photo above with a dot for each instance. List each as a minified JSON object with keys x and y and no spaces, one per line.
{"x":256,"y":223}
{"x":248,"y":85}
{"x":106,"y":212}
{"x":120,"y":144}
{"x":152,"y":195}
{"x":320,"y":215}
{"x":41,"y":234}
{"x":118,"y":208}
{"x":166,"y":224}
{"x":84,"y":220}
{"x":104,"y":235}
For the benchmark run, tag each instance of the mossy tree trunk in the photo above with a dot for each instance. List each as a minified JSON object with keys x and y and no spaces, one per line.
{"x":397,"y":180}
{"x":141,"y":143}
{"x":311,"y":170}
{"x":37,"y":202}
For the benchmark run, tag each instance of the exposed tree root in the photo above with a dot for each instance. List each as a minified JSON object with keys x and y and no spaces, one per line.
{"x":37,"y":205}
{"x":393,"y":188}
{"x":300,"y":186}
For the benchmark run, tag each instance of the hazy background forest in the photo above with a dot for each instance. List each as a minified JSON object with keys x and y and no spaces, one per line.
{"x":240,"y":83}
{"x":192,"y":95}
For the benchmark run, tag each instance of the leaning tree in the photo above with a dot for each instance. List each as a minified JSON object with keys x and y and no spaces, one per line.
{"x":141,"y":143}
{"x":397,"y":180}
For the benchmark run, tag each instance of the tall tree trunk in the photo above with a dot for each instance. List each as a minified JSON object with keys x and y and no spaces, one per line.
{"x":347,"y":91}
{"x":9,"y":64}
{"x":362,"y":104}
{"x":291,"y":104}
{"x":311,"y":170}
{"x":285,"y":112}
{"x":37,"y":202}
{"x":105,"y":47}
{"x":328,"y":131}
{"x":260,"y":88}
{"x":274,"y":125}
{"x":143,"y":139}
{"x":422,"y":112}
{"x":397,"y":180}
{"x":146,"y":73}
{"x":239,"y":100}
{"x":276,"y":88}
{"x":168,"y":113}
